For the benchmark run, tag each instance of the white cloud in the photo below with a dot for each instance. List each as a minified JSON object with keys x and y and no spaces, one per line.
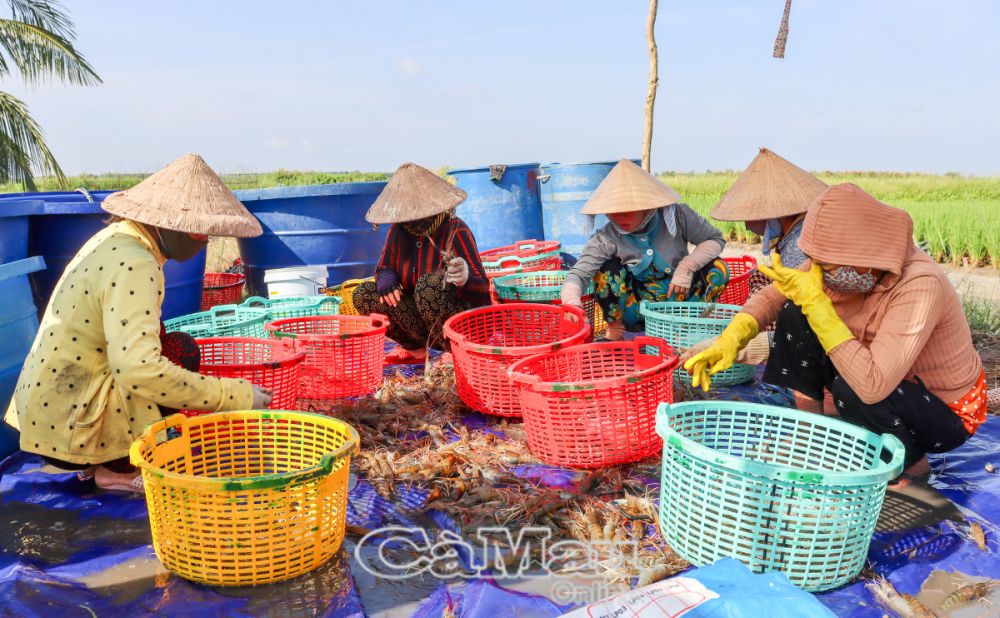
{"x":409,"y":67}
{"x":277,"y":142}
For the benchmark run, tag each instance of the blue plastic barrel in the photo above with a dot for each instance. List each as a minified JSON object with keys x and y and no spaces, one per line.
{"x":65,"y":221}
{"x":564,"y":189}
{"x":501,"y":212}
{"x":321,"y":225}
{"x":18,"y":326}
{"x":14,"y":229}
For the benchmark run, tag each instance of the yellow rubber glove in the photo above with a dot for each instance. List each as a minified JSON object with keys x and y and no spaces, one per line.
{"x":805,"y":289}
{"x":720,"y":355}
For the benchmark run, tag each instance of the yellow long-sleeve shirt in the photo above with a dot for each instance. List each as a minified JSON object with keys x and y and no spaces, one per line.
{"x":95,"y":375}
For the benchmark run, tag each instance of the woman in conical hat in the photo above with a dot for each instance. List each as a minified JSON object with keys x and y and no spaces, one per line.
{"x":102,"y":367}
{"x":642,"y":253}
{"x":430,"y":267}
{"x":871,"y":319}
{"x":771,"y":197}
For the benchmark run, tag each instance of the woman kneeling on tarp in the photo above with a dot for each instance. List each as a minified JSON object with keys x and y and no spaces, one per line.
{"x":430,"y":267}
{"x":642,"y":253}
{"x":872,"y":319}
{"x":102,"y":367}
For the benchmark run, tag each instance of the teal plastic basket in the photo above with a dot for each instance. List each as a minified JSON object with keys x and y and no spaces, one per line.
{"x":222,"y":321}
{"x":543,"y":286}
{"x":296,"y":306}
{"x":533,"y":287}
{"x":684,"y":324}
{"x":778,"y":489}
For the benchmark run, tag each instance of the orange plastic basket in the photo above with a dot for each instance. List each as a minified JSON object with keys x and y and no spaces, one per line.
{"x":221,"y":289}
{"x":246,"y":498}
{"x":738,"y":287}
{"x":344,"y":353}
{"x":269,"y":363}
{"x":594,"y":405}
{"x":487,"y":340}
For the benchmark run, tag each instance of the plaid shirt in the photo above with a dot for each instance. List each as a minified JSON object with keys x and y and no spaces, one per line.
{"x":406,"y":258}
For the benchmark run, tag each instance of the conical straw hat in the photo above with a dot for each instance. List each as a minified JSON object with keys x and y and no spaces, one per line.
{"x":627,"y":188}
{"x":414,"y":193}
{"x":770,"y":187}
{"x":185,"y":196}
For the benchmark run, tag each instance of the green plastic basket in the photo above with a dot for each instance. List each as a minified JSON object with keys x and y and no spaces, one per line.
{"x":684,"y":324}
{"x":222,"y":321}
{"x":543,"y":286}
{"x":533,"y":287}
{"x":775,"y":488}
{"x":296,"y":306}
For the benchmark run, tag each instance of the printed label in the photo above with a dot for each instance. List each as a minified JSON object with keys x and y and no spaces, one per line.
{"x":667,"y":599}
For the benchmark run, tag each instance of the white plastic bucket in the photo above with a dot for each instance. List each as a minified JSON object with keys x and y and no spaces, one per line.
{"x":295,"y":281}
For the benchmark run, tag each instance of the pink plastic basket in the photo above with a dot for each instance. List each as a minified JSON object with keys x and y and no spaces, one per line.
{"x":487,"y":340}
{"x":269,"y":363}
{"x":344,"y":353}
{"x":738,"y":287}
{"x":594,"y":405}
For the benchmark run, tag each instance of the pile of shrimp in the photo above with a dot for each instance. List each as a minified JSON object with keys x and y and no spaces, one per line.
{"x":412,"y":435}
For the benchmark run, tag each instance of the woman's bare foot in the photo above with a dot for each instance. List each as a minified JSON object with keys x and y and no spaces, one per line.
{"x":118,"y":481}
{"x":401,"y":356}
{"x":807,"y":404}
{"x":916,"y":473}
{"x":616,"y":331}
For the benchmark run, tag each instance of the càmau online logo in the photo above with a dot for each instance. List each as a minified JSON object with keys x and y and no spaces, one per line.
{"x":398,"y":553}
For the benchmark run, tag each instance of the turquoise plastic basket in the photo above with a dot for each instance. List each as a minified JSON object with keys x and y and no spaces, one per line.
{"x":222,"y":321}
{"x":775,"y":488}
{"x":684,"y":324}
{"x":296,"y":306}
{"x":533,"y":287}
{"x":543,"y":287}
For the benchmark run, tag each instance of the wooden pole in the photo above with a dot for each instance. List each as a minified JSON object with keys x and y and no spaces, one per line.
{"x":654,"y":80}
{"x":782,"y":38}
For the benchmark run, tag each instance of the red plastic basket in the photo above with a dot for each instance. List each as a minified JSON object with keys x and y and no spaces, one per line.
{"x":487,"y":340}
{"x":738,"y":287}
{"x":344,"y":353}
{"x":269,"y":363}
{"x":594,"y":405}
{"x":222,"y":289}
{"x":525,"y":254}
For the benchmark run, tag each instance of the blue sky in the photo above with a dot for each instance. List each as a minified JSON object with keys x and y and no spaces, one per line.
{"x":906,"y":85}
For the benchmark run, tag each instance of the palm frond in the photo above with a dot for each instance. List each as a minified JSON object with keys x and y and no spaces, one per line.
{"x":22,"y":146}
{"x":47,"y":15}
{"x":39,"y":53}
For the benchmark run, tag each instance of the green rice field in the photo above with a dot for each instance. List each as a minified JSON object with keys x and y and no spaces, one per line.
{"x":956,"y":218}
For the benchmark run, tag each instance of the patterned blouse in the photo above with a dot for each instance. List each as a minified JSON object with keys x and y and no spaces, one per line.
{"x":406,"y":258}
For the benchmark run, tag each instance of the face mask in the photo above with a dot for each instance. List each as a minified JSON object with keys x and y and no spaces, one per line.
{"x":847,"y":280}
{"x":773,"y":232}
{"x":179,"y":245}
{"x":425,"y":227}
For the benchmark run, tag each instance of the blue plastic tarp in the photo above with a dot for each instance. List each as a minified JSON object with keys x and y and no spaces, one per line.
{"x":58,"y":536}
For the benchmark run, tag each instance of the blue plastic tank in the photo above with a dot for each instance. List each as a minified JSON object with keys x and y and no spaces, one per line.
{"x":501,"y":212}
{"x":18,"y":327}
{"x":14,"y":229}
{"x":321,"y":225}
{"x":66,"y":220}
{"x":564,"y":189}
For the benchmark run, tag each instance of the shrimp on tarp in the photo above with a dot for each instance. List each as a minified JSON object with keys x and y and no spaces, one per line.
{"x":905,"y":606}
{"x":968,"y":594}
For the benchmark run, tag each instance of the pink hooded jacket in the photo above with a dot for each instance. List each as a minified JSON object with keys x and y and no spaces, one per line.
{"x":911,"y":325}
